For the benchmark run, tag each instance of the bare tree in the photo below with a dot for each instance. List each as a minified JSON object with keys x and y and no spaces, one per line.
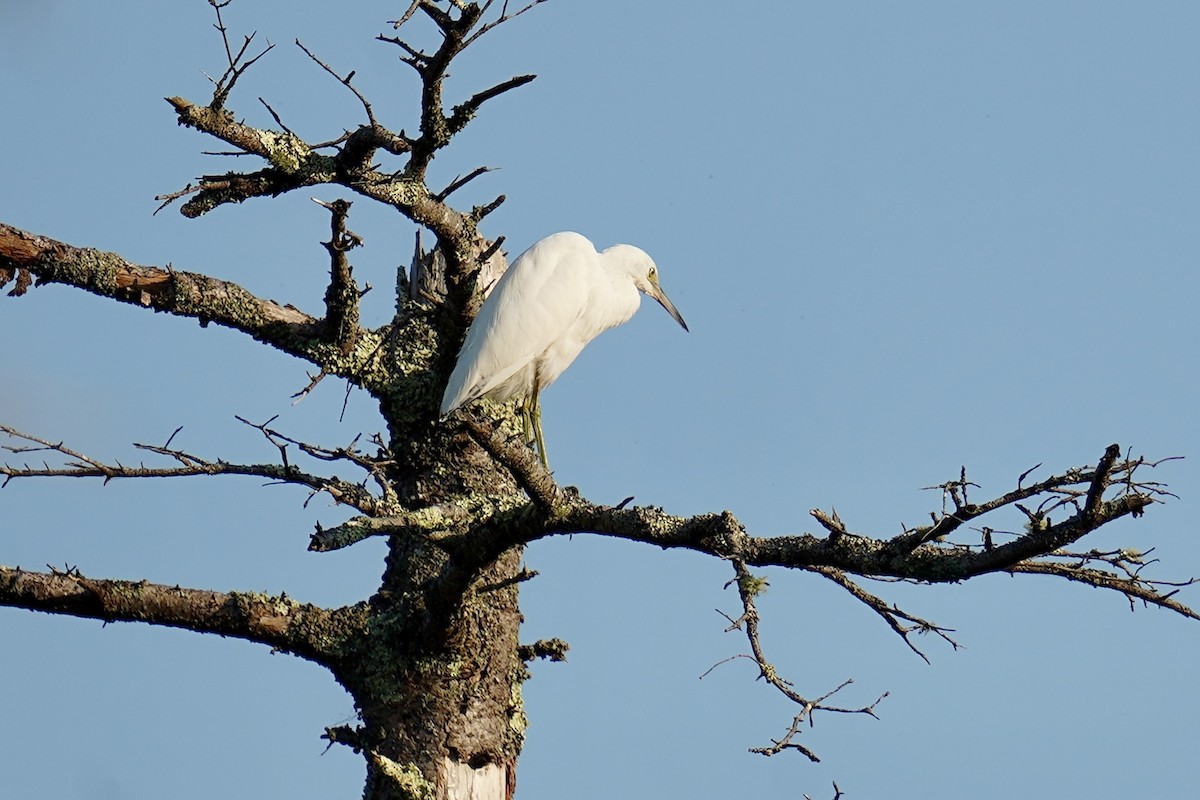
{"x":433,"y":660}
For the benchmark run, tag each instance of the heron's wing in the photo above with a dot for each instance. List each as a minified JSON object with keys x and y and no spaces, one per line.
{"x":533,"y":304}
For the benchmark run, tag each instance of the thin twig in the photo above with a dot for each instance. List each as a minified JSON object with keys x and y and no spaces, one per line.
{"x":891,"y":614}
{"x":460,"y":182}
{"x":236,"y":66}
{"x":749,"y":587}
{"x":345,"y":81}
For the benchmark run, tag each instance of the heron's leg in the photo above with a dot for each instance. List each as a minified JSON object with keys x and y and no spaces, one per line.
{"x":524,"y":408}
{"x":536,"y":414}
{"x":530,"y":409}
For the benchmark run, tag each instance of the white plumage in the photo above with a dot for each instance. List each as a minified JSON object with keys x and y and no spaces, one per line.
{"x":554,"y":299}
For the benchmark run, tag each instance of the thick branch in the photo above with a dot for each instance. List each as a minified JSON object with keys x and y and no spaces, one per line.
{"x":184,"y":294}
{"x":435,"y":522}
{"x":722,"y":535}
{"x":296,"y":164}
{"x":519,"y":459}
{"x":285,"y":151}
{"x":278,"y":621}
{"x":555,"y":511}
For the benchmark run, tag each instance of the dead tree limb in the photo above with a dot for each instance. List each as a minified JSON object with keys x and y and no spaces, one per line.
{"x":279,"y":622}
{"x":78,"y":465}
{"x":749,"y":587}
{"x":185,"y":294}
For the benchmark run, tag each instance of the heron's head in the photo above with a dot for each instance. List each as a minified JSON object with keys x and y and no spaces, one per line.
{"x":644,"y":273}
{"x":650,"y":288}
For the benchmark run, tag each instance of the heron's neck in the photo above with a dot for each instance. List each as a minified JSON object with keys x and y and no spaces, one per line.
{"x":620,"y":297}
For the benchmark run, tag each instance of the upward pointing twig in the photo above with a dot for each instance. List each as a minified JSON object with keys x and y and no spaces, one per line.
{"x":237,"y":66}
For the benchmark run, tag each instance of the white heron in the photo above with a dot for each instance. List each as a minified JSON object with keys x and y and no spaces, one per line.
{"x":554,"y":299}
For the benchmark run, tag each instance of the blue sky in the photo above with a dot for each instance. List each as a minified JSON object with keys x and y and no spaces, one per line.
{"x":906,"y":237}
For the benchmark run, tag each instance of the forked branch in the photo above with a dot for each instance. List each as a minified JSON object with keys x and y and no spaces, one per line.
{"x":749,"y":586}
{"x":1132,"y":584}
{"x":553,"y":510}
{"x":901,"y":622}
{"x":295,"y":163}
{"x":238,"y":62}
{"x":915,"y":554}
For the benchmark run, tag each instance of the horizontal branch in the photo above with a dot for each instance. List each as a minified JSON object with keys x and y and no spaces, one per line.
{"x":214,"y":191}
{"x":724,"y":536}
{"x":433,"y":523}
{"x":79,"y":465}
{"x":184,"y":294}
{"x":302,"y":629}
{"x":911,"y":556}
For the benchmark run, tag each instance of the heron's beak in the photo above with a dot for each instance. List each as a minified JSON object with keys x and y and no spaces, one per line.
{"x":658,"y":294}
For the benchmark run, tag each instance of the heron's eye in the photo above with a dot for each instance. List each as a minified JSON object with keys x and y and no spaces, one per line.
{"x":652,"y":274}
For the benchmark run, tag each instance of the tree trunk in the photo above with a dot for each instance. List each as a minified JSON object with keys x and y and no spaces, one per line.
{"x":437,"y":679}
{"x":436,"y":672}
